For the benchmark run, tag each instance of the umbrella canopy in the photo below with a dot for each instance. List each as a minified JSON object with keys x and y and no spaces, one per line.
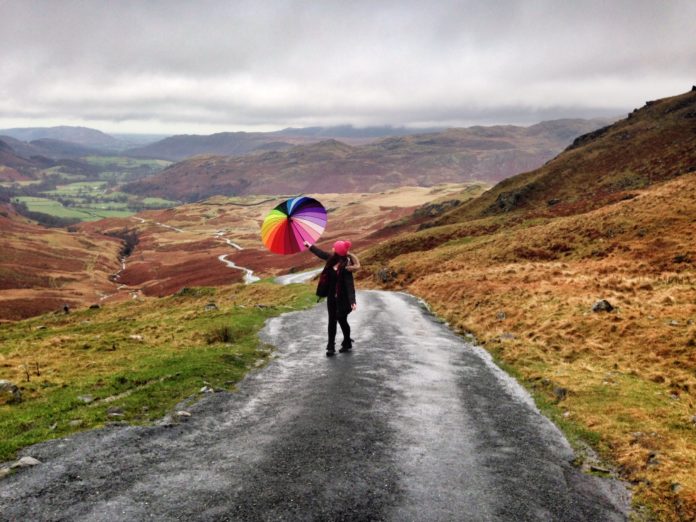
{"x":291,"y":223}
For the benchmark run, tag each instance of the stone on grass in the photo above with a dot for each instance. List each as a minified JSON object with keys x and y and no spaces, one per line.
{"x":75,"y":423}
{"x":136,"y":337}
{"x":211,"y":307}
{"x":26,"y":462}
{"x":602,"y":306}
{"x":86,"y":398}
{"x":500,"y":316}
{"x":206,"y":389}
{"x":114,"y":412}
{"x":4,"y":472}
{"x":560,"y":393}
{"x":12,"y":389}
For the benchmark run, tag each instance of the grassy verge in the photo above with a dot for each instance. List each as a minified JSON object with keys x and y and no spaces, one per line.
{"x":141,"y":358}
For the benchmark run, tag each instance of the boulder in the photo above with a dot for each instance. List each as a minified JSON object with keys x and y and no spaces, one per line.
{"x":211,"y":307}
{"x":386,"y":274}
{"x":12,"y":389}
{"x":86,"y":398}
{"x":602,"y":306}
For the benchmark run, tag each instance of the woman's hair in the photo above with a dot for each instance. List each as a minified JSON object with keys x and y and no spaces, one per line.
{"x":335,"y":258}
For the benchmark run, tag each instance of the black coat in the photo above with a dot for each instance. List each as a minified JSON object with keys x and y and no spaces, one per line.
{"x":345,"y":293}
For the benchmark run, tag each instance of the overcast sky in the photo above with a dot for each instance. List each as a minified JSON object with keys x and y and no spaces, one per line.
{"x":207,"y":66}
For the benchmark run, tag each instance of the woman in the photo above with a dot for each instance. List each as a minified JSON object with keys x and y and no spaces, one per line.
{"x":340,"y":301}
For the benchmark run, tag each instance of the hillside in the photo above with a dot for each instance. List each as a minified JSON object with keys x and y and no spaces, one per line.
{"x":487,"y":154}
{"x":522,"y":266}
{"x":14,"y":167}
{"x":655,"y":143}
{"x":42,"y":269}
{"x":84,"y":136}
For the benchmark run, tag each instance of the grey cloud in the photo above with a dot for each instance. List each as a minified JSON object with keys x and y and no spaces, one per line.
{"x":278,"y":63}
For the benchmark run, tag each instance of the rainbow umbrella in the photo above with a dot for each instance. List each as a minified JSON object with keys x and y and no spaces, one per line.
{"x":291,"y":223}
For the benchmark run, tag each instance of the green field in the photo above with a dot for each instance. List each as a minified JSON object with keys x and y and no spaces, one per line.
{"x":121,"y":162}
{"x":73,"y":189}
{"x":54,"y":208}
{"x":159,"y":202}
{"x":91,"y":196}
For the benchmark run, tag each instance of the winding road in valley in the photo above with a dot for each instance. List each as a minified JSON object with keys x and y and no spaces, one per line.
{"x":414,"y":424}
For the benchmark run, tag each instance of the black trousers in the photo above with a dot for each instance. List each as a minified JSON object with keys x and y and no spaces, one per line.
{"x":336,"y":316}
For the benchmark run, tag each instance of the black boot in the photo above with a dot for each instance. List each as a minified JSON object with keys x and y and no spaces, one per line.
{"x":346,"y":345}
{"x":330,"y":350}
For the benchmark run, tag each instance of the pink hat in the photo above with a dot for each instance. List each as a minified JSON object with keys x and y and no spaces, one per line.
{"x":342,"y":247}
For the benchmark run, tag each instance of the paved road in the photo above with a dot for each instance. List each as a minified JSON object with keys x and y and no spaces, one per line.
{"x":299,"y":277}
{"x":413,"y":425}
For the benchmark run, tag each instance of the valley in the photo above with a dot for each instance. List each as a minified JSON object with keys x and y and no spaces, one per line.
{"x":577,"y":274}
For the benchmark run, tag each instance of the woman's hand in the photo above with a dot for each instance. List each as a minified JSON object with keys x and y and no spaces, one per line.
{"x":354,"y":306}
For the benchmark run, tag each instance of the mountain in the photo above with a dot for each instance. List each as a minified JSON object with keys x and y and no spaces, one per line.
{"x":653,"y":144}
{"x":60,"y":149}
{"x":21,"y":161}
{"x":176,"y":148}
{"x":523,"y":269}
{"x":79,"y":135}
{"x":348,"y":131}
{"x":487,"y":154}
{"x":14,"y":167}
{"x":49,"y":148}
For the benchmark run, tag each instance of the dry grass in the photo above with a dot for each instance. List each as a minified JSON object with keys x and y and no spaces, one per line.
{"x":526,"y":291}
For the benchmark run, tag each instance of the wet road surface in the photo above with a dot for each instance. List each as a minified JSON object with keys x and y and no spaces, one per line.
{"x":415,"y":424}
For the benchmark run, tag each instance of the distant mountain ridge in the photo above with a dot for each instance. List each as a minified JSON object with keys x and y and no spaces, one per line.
{"x":488,"y":154}
{"x":79,"y":135}
{"x":179,"y":147}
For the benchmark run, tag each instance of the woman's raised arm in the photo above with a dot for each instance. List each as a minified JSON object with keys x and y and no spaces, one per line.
{"x":317,"y":251}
